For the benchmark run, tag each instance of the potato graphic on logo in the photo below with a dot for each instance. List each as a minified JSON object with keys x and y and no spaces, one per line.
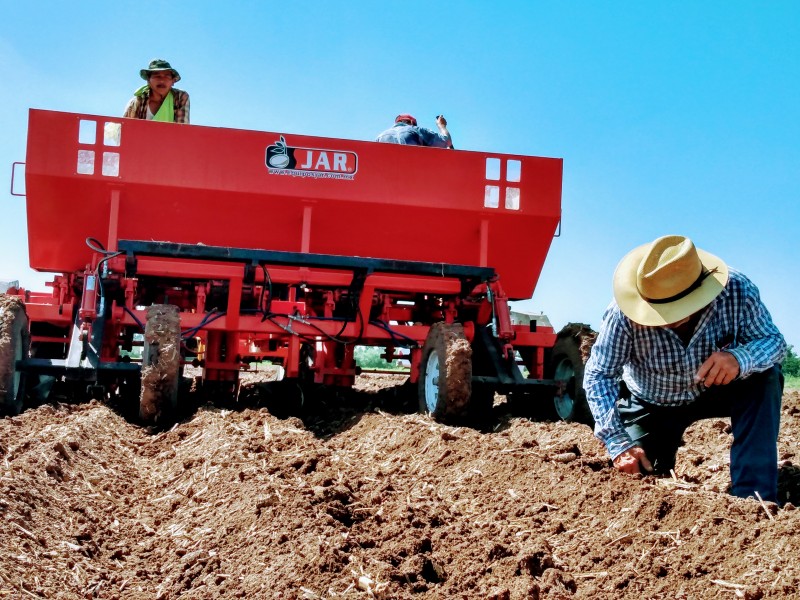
{"x":279,"y":161}
{"x":280,"y":158}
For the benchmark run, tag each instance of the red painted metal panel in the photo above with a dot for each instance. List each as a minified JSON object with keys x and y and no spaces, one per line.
{"x":195,"y":184}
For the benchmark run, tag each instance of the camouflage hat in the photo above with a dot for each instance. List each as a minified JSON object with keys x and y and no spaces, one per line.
{"x":159,"y":64}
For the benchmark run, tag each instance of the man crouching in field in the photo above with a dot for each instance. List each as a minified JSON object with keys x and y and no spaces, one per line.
{"x":691,"y":339}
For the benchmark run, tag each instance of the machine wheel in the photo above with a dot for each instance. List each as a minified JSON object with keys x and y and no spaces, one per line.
{"x":161,"y":364}
{"x":15,"y":343}
{"x":568,"y":359}
{"x":445,"y":379}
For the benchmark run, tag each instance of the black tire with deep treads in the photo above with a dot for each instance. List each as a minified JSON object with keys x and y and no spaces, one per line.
{"x":161,"y":364}
{"x":14,"y":345}
{"x":569,"y":355}
{"x":453,"y":357}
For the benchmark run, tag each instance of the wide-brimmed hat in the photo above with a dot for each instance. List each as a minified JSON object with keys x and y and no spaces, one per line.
{"x":159,"y":64}
{"x":408,"y":118}
{"x":667,"y":280}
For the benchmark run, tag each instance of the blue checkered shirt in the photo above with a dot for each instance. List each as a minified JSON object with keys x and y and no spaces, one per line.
{"x":658,"y":368}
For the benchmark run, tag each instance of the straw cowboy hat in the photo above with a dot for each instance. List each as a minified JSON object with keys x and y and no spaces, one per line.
{"x":159,"y":64}
{"x":667,"y":280}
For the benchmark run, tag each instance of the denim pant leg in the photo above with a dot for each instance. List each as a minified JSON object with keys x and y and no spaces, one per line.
{"x":657,"y":429}
{"x":754,"y":406}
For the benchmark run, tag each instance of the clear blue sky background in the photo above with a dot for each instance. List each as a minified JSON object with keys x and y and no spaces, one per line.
{"x":671,"y":117}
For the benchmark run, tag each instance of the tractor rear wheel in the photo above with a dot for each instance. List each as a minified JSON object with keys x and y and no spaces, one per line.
{"x":568,"y":359}
{"x":445,"y":379}
{"x":15,"y":343}
{"x":161,"y":364}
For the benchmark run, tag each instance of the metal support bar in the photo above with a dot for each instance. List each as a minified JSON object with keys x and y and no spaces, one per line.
{"x":507,"y":370}
{"x":274,"y":257}
{"x":58,"y":367}
{"x":501,"y":384}
{"x":78,"y":356}
{"x":359,"y":278}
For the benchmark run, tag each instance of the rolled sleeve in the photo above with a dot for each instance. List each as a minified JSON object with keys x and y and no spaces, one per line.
{"x":431,"y":138}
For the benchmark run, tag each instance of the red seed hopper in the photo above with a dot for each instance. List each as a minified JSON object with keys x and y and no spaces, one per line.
{"x":175,"y":244}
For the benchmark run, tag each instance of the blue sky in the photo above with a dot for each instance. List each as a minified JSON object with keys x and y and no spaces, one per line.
{"x":679,"y":117}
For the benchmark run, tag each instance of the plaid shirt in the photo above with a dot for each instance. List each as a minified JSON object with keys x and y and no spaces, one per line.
{"x":137,"y":107}
{"x":658,"y":368}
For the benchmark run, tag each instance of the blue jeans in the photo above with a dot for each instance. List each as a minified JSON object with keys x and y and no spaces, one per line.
{"x":754,"y":406}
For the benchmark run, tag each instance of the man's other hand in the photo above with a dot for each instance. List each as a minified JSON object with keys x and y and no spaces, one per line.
{"x":633,"y":461}
{"x":719,"y":369}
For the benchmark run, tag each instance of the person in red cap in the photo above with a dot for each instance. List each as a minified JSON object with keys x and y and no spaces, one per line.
{"x":691,"y":339}
{"x":406,"y":131}
{"x":158,"y":100}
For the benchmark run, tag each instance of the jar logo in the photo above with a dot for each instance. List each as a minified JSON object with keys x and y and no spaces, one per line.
{"x":283,"y":159}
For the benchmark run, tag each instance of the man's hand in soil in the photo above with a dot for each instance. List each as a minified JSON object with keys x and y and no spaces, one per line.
{"x":719,"y":369}
{"x":633,"y":461}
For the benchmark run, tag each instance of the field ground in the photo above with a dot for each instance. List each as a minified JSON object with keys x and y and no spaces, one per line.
{"x":353,"y":496}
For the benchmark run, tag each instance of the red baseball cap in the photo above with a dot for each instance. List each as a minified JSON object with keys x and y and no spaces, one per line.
{"x":408,"y":118}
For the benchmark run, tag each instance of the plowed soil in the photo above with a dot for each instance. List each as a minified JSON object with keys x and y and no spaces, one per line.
{"x":351,"y":496}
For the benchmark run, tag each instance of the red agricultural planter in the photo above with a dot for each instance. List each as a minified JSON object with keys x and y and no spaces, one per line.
{"x":225,"y":247}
